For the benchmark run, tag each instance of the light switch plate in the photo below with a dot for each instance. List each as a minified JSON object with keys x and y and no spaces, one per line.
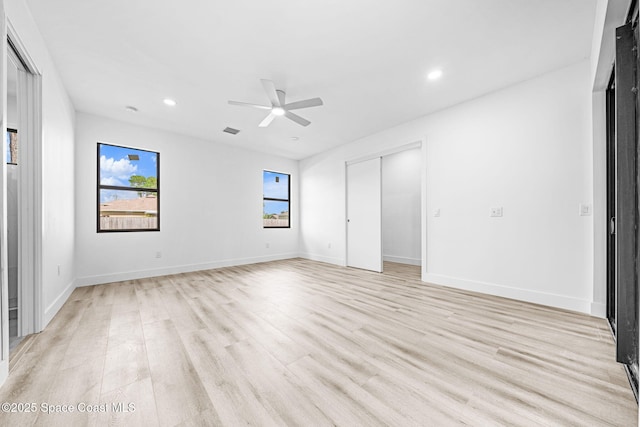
{"x":436,"y":213}
{"x":585,"y":209}
{"x":496,"y":212}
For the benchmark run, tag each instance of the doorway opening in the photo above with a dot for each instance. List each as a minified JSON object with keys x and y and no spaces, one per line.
{"x":401,"y":213}
{"x":13,"y":178}
{"x":385,"y":210}
{"x":23,"y":190}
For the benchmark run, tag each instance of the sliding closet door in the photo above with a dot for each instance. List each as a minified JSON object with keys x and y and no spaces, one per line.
{"x":364,"y":215}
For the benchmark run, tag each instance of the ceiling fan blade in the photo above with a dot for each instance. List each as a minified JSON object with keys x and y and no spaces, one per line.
{"x":246,"y":104}
{"x":267,"y":120}
{"x":281,"y":96}
{"x":296,"y":118}
{"x":313,"y":102}
{"x":270,"y":89}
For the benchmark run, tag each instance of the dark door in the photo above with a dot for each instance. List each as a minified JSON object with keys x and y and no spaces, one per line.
{"x":611,"y":203}
{"x":626,"y":211}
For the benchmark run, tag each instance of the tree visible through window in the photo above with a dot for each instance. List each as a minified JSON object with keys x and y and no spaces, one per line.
{"x":275,"y":200}
{"x":128,"y":191}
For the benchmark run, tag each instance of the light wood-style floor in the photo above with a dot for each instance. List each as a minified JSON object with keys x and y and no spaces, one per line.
{"x":303,"y":343}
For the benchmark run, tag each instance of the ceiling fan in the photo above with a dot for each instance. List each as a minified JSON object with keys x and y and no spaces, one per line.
{"x":279,"y":107}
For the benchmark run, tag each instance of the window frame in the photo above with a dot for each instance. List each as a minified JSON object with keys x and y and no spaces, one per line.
{"x":99,"y":187}
{"x":272,"y":199}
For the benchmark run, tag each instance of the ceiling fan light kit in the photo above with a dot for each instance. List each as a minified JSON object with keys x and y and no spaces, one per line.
{"x":279,"y":107}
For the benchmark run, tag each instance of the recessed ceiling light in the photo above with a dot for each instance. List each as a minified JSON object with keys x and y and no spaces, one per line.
{"x":170,"y":102}
{"x":278,"y":111}
{"x":131,"y":109}
{"x":434,"y":75}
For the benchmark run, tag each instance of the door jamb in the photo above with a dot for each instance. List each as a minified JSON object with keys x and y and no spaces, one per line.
{"x":30,"y":200}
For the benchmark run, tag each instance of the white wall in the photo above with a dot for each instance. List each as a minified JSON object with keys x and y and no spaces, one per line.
{"x":58,"y":172}
{"x":12,"y":108}
{"x":526,"y":148}
{"x":210,"y":206}
{"x":401,"y":207}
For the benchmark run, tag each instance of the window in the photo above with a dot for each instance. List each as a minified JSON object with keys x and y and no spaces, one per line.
{"x":275,"y":200}
{"x":12,"y":146}
{"x":128,"y":189}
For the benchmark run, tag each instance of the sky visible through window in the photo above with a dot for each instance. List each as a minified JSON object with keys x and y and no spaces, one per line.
{"x":117,"y":168}
{"x":10,"y":155}
{"x":275,"y":189}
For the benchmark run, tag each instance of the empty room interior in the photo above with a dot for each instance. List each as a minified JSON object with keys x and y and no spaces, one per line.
{"x":319,"y":213}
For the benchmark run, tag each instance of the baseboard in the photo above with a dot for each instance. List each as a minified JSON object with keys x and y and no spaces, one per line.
{"x":143,"y":274}
{"x":322,"y":258}
{"x":599,"y":309}
{"x":401,"y":260}
{"x":552,"y":300}
{"x":57,"y":304}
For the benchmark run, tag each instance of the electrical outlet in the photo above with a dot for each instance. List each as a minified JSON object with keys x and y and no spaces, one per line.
{"x":436,"y":213}
{"x":496,"y":212}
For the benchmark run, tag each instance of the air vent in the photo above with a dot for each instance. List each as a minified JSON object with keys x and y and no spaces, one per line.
{"x":232,"y":131}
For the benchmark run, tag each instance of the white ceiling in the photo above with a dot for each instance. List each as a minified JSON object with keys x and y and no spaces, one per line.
{"x":366,"y":59}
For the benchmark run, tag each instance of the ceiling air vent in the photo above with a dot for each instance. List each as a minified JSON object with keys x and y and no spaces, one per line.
{"x":232,"y":131}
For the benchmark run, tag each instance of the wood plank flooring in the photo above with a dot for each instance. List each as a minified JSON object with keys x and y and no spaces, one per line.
{"x":303,"y":343}
{"x":404,"y":271}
